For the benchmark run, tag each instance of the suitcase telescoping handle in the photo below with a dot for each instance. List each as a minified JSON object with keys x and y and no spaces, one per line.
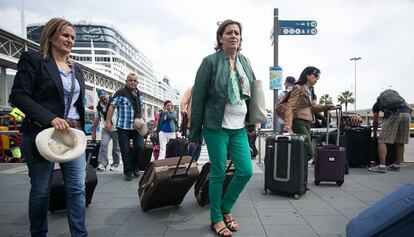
{"x":178,"y":165}
{"x":338,"y":111}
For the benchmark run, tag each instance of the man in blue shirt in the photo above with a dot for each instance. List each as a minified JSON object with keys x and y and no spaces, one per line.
{"x":128,"y":102}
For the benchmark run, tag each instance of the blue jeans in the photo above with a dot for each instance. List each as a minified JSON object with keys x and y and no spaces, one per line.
{"x":130,"y":161}
{"x":40,"y":173}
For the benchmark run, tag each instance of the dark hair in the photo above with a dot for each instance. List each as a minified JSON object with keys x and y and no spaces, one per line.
{"x":220,"y":32}
{"x":306,"y":72}
{"x":166,"y":102}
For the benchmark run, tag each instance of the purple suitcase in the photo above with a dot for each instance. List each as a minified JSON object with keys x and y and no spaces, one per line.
{"x":330,"y":160}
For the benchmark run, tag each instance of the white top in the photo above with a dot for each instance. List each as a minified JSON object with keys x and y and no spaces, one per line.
{"x":234,"y":115}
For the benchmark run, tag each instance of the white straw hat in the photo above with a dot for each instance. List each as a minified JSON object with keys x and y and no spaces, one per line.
{"x":60,"y":146}
{"x":141,"y":126}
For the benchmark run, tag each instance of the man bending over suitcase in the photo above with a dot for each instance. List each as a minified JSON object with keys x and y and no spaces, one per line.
{"x":395,"y":128}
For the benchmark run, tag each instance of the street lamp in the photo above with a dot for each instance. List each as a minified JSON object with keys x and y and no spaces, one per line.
{"x":355,"y":59}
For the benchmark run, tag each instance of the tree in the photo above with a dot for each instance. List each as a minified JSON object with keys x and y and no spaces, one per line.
{"x":346,"y":98}
{"x":325,"y":99}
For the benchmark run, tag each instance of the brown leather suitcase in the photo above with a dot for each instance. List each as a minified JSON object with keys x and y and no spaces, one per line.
{"x":166,"y":182}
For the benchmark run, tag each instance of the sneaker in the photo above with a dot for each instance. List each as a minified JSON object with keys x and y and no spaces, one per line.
{"x":378,"y":168}
{"x":100,"y":168}
{"x":113,"y":167}
{"x":128,"y":177}
{"x":393,"y":167}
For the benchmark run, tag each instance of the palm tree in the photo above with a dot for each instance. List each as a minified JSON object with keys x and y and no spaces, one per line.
{"x":346,"y":98}
{"x":325,"y":99}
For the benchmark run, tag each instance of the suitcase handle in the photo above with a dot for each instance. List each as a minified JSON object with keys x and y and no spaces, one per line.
{"x":178,"y":165}
{"x":338,"y":111}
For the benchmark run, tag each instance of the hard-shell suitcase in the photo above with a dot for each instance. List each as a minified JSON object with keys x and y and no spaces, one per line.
{"x":391,"y":216}
{"x":286,"y":168}
{"x":166,"y":182}
{"x":358,"y":139}
{"x":57,"y":200}
{"x":330,"y":160}
{"x":201,"y":187}
{"x":92,"y":147}
{"x":145,"y":156}
{"x":177,"y":147}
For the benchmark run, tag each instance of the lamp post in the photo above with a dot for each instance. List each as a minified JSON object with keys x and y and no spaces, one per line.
{"x":355,"y":59}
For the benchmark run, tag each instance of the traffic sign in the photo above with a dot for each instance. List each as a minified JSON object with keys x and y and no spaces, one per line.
{"x":297,"y":28}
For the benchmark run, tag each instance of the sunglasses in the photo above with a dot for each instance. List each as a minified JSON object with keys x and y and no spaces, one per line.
{"x":316,"y":75}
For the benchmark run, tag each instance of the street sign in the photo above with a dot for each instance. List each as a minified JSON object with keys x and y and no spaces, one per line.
{"x":298,"y":24}
{"x":297,"y":28}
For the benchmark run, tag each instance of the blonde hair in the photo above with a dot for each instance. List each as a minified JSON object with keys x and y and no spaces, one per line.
{"x":52,"y":27}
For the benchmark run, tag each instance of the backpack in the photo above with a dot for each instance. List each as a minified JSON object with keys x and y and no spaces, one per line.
{"x":390,"y":100}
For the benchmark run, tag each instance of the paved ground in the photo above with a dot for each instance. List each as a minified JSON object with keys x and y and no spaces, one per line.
{"x":115,"y":211}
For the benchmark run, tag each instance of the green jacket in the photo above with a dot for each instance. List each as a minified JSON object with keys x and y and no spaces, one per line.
{"x":210,"y":92}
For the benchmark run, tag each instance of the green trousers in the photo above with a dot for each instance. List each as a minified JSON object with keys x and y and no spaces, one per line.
{"x":301,"y":126}
{"x":218,"y":143}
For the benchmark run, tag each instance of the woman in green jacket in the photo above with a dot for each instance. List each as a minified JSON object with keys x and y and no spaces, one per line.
{"x":220,"y":100}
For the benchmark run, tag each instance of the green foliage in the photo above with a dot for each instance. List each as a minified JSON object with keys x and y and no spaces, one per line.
{"x":325,"y":99}
{"x":346,"y":98}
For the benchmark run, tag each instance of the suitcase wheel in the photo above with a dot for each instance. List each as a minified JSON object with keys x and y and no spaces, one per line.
{"x":317,"y":182}
{"x":297,"y":196}
{"x":264,"y":192}
{"x":339,"y":183}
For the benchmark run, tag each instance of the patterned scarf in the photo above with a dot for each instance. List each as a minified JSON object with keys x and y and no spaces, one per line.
{"x":238,"y":87}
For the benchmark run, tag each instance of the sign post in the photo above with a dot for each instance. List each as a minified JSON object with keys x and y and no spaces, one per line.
{"x":296,"y":27}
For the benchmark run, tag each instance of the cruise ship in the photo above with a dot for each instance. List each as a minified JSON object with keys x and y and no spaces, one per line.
{"x":103,"y":48}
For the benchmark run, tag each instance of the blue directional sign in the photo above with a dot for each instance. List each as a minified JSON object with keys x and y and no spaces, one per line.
{"x":297,"y":28}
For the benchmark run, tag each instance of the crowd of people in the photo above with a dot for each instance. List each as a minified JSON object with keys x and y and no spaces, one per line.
{"x":49,"y":89}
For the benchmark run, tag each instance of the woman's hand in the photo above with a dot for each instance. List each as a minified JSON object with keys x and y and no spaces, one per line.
{"x":287,"y":128}
{"x":60,"y":124}
{"x":331,"y":107}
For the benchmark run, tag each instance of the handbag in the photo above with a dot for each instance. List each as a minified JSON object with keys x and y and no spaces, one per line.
{"x":281,"y":106}
{"x":257,"y":105}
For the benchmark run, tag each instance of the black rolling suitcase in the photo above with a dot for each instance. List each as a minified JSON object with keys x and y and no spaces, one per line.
{"x":201,"y":187}
{"x":177,"y":147}
{"x":145,"y":156}
{"x":57,"y":200}
{"x":166,"y":182}
{"x":92,"y":147}
{"x":286,"y":168}
{"x":358,"y":141}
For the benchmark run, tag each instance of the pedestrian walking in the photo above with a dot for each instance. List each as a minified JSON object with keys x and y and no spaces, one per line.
{"x":128,"y":102}
{"x":49,"y":88}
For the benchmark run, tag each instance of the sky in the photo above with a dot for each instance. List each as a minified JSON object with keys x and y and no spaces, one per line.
{"x":177,"y":35}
